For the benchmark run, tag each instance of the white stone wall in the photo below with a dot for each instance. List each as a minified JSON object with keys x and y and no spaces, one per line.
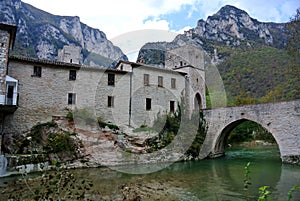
{"x":119,"y":112}
{"x":185,"y":55}
{"x":160,"y":96}
{"x":39,"y":97}
{"x":70,"y":54}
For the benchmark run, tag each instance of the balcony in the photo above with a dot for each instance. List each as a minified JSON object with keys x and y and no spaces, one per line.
{"x":9,"y":98}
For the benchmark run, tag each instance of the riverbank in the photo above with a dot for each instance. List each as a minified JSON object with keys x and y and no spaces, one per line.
{"x":207,"y":180}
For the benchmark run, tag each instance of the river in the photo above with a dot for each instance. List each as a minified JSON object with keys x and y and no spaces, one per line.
{"x":214,"y":179}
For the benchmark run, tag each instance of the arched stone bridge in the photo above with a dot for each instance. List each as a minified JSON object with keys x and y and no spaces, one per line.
{"x":282,"y":119}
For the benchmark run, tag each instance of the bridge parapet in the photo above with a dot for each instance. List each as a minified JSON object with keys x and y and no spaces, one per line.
{"x":282,"y":119}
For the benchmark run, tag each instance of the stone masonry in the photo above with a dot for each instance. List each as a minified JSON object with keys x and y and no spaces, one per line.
{"x":282,"y":119}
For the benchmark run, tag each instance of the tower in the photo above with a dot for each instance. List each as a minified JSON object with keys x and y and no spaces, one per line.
{"x":192,"y":61}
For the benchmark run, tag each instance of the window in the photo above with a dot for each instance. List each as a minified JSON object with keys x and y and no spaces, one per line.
{"x":146,"y":79}
{"x":71,"y":98}
{"x":148,"y":104}
{"x":160,"y":81}
{"x":173,"y":83}
{"x":172,"y":106}
{"x":110,"y":101}
{"x":111,"y":79}
{"x":72,"y":75}
{"x":37,"y":71}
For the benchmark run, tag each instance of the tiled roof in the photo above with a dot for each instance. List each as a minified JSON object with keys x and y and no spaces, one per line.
{"x":60,"y":64}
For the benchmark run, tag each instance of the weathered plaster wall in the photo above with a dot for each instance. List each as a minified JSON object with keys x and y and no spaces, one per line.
{"x":160,"y":96}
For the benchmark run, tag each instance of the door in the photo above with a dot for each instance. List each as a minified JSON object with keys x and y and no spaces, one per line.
{"x":10,"y":95}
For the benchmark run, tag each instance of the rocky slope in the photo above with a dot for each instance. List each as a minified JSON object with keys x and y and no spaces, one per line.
{"x":41,"y":34}
{"x":250,"y":55}
{"x":229,"y":27}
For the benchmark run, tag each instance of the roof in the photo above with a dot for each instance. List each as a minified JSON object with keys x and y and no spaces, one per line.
{"x":135,"y":65}
{"x":36,"y":61}
{"x":187,"y":66}
{"x":12,"y":29}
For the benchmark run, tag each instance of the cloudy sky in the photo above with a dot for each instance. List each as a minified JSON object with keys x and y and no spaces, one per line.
{"x":116,"y":17}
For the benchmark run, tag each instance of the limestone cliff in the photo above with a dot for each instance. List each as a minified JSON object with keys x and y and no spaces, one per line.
{"x":230,"y":27}
{"x":41,"y":34}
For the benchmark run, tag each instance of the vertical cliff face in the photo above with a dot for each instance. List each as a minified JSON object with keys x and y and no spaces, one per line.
{"x":231,"y":24}
{"x":41,"y":34}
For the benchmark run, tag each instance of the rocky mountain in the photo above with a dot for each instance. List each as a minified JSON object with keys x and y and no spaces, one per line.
{"x":41,"y":35}
{"x":229,"y":27}
{"x":250,"y":55}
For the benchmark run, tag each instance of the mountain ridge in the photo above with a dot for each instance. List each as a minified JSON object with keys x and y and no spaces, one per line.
{"x":250,"y":55}
{"x":41,"y":34}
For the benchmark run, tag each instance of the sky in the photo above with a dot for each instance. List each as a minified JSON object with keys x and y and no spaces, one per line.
{"x":116,"y":17}
{"x":130,"y":24}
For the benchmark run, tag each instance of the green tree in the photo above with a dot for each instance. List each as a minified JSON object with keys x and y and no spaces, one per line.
{"x":293,"y":28}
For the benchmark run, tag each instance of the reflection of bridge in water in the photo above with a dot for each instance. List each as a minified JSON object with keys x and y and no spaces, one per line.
{"x":282,"y":119}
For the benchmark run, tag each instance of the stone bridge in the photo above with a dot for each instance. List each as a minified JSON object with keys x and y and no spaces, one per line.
{"x":282,"y":119}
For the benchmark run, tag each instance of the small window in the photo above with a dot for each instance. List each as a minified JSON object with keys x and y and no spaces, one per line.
{"x":181,"y":63}
{"x":72,"y":75}
{"x":37,"y":71}
{"x":121,"y":67}
{"x":71,"y":98}
{"x":111,"y":79}
{"x":160,"y":81}
{"x":148,"y":104}
{"x":110,"y":101}
{"x":172,"y":106}
{"x":146,"y":79}
{"x":173,"y":83}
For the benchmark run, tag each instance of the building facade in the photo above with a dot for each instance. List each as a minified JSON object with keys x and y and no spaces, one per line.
{"x":130,"y":94}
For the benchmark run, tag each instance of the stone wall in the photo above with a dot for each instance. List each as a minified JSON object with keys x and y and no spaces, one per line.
{"x":39,"y":97}
{"x":160,"y":96}
{"x":282,"y":119}
{"x":118,"y":112}
{"x":185,"y":55}
{"x":4,"y":47}
{"x":70,"y":54}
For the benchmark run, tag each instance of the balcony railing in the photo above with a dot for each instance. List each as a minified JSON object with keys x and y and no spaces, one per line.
{"x":9,"y":99}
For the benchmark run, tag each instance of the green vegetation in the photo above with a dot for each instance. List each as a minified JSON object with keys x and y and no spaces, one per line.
{"x":51,"y":141}
{"x":102,"y":123}
{"x":264,"y":193}
{"x":57,"y":184}
{"x":168,"y":126}
{"x":293,"y":29}
{"x":259,"y":75}
{"x":248,"y":131}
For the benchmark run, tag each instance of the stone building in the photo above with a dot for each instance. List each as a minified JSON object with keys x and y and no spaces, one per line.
{"x":130,"y":94}
{"x":70,"y":54}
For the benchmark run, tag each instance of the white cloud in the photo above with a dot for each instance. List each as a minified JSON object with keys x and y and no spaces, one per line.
{"x":115,"y":17}
{"x":181,"y":31}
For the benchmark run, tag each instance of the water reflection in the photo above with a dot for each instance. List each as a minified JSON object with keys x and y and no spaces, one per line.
{"x":217,"y":179}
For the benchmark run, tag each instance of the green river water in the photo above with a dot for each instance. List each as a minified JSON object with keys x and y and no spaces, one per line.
{"x":213,"y":179}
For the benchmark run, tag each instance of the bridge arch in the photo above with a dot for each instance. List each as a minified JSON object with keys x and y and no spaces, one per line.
{"x":220,"y":143}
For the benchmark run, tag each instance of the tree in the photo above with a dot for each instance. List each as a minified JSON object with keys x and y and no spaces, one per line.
{"x":293,"y":29}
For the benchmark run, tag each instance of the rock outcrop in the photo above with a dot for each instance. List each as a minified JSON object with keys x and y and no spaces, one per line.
{"x":41,"y":35}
